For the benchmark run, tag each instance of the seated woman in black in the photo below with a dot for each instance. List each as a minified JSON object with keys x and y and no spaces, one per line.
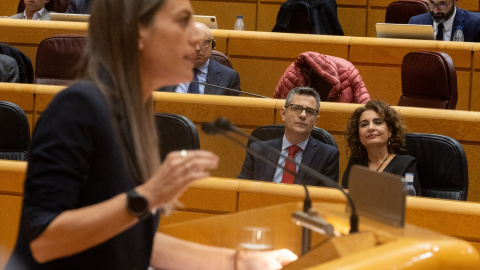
{"x":376,"y":138}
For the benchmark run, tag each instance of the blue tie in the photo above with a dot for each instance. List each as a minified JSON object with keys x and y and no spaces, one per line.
{"x":193,"y":87}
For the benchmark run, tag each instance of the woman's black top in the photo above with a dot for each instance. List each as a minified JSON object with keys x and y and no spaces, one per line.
{"x":400,"y":165}
{"x":76,"y":161}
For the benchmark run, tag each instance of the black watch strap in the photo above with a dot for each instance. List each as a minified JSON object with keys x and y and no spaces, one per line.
{"x":137,"y":204}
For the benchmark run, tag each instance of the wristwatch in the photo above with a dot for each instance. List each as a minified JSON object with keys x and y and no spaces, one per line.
{"x":137,"y":204}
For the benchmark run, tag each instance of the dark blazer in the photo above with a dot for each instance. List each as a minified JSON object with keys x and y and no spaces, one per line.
{"x":317,"y":155}
{"x":220,"y":75}
{"x":470,"y":21}
{"x":79,"y":7}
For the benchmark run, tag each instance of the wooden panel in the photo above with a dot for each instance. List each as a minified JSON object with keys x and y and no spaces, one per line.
{"x":391,"y":51}
{"x":211,"y":196}
{"x":374,"y":16}
{"x":267,"y":16}
{"x":353,"y":21}
{"x":261,"y":83}
{"x":382,"y":82}
{"x":20,"y":94}
{"x":9,"y":224}
{"x":475,"y":97}
{"x":12,"y":176}
{"x":220,"y":37}
{"x":8,"y":8}
{"x":226,"y":12}
{"x":181,"y":216}
{"x":280,"y":45}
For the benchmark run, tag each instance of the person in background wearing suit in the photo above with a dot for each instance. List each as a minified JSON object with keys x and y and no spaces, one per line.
{"x":79,"y":6}
{"x":300,"y":115}
{"x":446,"y":16}
{"x":376,"y":137}
{"x":207,"y":70}
{"x":34,"y":10}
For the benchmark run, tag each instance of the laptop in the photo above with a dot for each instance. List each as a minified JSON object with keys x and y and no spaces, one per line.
{"x":379,"y":196}
{"x":210,"y":21}
{"x":404,"y":31}
{"x":69,"y":17}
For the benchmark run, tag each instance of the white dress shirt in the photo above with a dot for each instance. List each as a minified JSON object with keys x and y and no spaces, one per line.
{"x":447,"y":30}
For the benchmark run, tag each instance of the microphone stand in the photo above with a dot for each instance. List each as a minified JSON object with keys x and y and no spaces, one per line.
{"x":229,"y":89}
{"x":225,"y":124}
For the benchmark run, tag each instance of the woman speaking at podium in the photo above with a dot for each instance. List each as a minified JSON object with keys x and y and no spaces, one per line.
{"x":94,"y":179}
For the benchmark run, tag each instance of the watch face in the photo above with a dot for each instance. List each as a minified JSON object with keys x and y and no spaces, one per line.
{"x":138,"y":204}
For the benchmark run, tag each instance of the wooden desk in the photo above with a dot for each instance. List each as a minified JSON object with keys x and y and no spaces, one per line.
{"x":214,"y":196}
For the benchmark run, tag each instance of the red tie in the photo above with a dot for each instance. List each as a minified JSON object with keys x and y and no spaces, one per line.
{"x":287,"y":177}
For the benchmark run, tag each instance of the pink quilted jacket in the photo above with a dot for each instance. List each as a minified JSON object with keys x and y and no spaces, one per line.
{"x":347,"y":84}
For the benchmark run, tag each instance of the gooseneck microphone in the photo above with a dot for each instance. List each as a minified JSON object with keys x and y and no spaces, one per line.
{"x":225,"y":125}
{"x":229,"y":89}
{"x":213,"y":128}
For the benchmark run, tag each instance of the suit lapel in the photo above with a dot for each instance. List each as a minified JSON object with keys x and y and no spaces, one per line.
{"x":213,"y":77}
{"x":270,"y":170}
{"x":307,"y":158}
{"x":457,"y":21}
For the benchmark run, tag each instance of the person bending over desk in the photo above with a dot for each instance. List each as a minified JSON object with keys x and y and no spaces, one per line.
{"x":376,"y":139}
{"x":94,"y":180}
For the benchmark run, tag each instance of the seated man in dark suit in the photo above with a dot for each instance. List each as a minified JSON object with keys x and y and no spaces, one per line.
{"x":446,"y":16}
{"x":208,"y":70}
{"x":300,"y":115}
{"x":79,"y":6}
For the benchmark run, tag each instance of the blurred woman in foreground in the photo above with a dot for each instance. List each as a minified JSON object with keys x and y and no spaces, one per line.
{"x":94,"y":179}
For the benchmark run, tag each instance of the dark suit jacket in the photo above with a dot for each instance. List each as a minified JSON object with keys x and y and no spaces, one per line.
{"x":317,"y":155}
{"x":470,"y":21}
{"x":8,"y":69}
{"x":25,"y":67}
{"x":79,"y":7}
{"x":220,"y":75}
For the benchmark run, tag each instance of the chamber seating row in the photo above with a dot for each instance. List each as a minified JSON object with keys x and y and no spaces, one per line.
{"x":261,"y":58}
{"x":215,"y":196}
{"x":250,"y":113}
{"x":357,"y":17}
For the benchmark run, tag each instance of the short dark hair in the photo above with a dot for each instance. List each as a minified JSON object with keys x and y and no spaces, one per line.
{"x":397,"y":142}
{"x":302,"y":90}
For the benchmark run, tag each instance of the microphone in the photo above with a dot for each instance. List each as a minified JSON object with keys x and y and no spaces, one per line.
{"x":225,"y":125}
{"x":229,"y":89}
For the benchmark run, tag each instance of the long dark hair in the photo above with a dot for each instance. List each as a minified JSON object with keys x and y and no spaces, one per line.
{"x":111,"y":62}
{"x":397,"y":142}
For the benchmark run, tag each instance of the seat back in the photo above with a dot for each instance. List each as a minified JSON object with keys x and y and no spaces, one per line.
{"x":59,"y":6}
{"x":402,"y":10}
{"x":58,"y":58}
{"x":429,"y":80}
{"x":441,"y":165}
{"x":175,"y":132}
{"x":270,"y":132}
{"x":221,"y":58}
{"x":14,"y":132}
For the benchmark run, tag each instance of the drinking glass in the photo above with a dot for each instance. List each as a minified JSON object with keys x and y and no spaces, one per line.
{"x":256,"y":239}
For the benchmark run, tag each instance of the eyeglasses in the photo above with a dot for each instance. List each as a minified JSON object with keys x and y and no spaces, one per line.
{"x":206,"y":43}
{"x":297,"y":109}
{"x":439,"y":6}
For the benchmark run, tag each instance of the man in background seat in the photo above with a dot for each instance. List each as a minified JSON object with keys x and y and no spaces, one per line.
{"x":207,"y":70}
{"x":446,"y":16}
{"x":34,"y":10}
{"x":79,"y":6}
{"x":300,"y":115}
